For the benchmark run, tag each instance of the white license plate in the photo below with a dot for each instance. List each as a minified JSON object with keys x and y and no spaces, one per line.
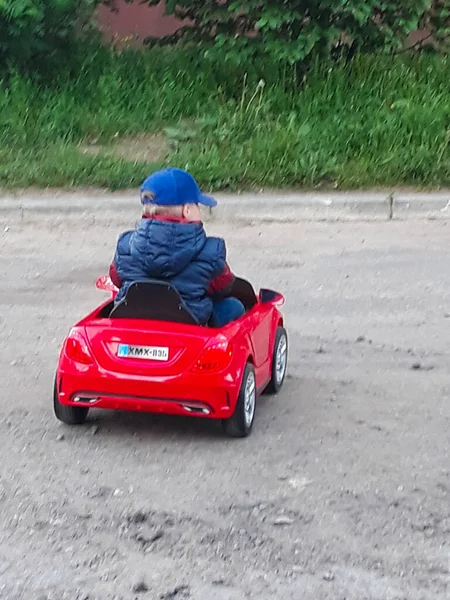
{"x":143,"y":352}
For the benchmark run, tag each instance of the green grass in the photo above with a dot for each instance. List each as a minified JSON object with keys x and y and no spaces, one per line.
{"x":378,"y":122}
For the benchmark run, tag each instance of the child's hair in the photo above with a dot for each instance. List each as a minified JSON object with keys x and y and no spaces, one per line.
{"x":152,"y":210}
{"x":149,"y":209}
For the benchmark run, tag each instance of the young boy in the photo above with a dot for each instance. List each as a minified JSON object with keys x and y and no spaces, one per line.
{"x":170,"y":244}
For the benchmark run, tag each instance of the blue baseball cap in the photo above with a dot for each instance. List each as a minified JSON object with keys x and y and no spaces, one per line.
{"x":173,"y":187}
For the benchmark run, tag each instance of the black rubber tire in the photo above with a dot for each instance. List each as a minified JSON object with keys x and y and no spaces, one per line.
{"x":236,"y":425}
{"x":275,"y":386}
{"x":71,"y":415}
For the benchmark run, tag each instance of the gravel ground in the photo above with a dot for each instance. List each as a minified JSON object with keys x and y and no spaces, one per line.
{"x":342,"y":491}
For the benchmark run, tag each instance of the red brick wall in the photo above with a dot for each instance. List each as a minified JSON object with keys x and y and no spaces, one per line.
{"x":139,"y":20}
{"x":135,"y":20}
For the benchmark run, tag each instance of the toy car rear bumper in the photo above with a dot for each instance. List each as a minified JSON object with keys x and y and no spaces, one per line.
{"x":188,"y":396}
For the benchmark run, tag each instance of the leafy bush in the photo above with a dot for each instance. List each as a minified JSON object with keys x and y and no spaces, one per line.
{"x":38,"y":35}
{"x":293,"y":31}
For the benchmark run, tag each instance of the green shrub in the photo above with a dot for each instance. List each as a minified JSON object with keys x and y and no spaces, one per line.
{"x":297,"y":31}
{"x":41,"y":35}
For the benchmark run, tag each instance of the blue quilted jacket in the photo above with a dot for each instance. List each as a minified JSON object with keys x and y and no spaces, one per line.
{"x":179,"y":253}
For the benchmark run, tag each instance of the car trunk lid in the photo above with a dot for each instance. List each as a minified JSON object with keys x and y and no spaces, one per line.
{"x":145,"y":348}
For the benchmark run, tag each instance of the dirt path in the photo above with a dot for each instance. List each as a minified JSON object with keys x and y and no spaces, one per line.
{"x":342,"y":491}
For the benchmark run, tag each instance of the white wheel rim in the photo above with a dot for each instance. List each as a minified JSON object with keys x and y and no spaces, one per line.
{"x":281,"y":359}
{"x":249,"y":399}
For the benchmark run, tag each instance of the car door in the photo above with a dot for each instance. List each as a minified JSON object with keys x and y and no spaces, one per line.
{"x":261,"y":342}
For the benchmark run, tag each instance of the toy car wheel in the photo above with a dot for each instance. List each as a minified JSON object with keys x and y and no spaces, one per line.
{"x":279,"y":361}
{"x":241,"y":423}
{"x":71,"y":415}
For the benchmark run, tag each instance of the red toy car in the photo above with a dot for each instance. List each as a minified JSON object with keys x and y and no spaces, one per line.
{"x":148,"y":354}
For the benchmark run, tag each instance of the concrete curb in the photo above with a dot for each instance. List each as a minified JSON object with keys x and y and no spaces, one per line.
{"x":273,"y":206}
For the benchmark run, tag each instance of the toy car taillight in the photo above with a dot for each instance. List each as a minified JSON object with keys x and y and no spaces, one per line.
{"x":214,"y":358}
{"x":77,"y":349}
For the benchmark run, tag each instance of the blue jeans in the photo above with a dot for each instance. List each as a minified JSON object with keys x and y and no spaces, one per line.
{"x":226,"y":311}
